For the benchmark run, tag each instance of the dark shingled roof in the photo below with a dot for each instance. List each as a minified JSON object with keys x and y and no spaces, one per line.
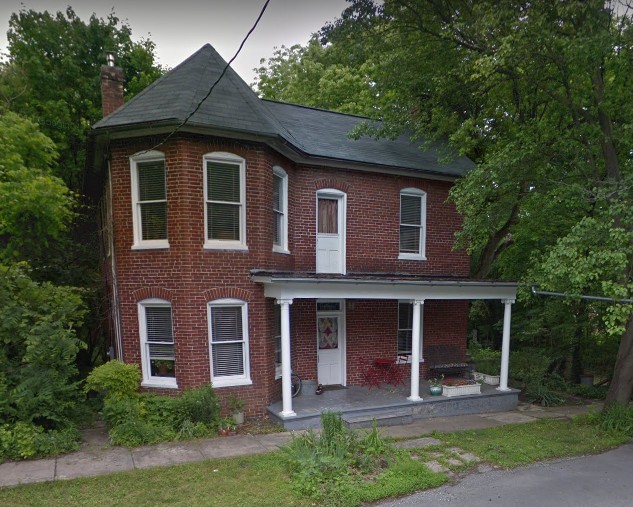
{"x":234,"y":107}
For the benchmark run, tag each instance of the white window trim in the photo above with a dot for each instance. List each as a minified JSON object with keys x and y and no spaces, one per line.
{"x":283,"y":248}
{"x":421,"y":255}
{"x":148,"y":379}
{"x":139,"y":243}
{"x":218,"y":244}
{"x":234,"y":380}
{"x":408,"y":301}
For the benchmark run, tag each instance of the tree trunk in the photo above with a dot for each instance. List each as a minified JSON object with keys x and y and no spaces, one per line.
{"x":621,"y":386}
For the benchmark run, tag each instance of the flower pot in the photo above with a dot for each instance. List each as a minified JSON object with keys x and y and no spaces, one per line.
{"x":238,"y":417}
{"x":492,"y":380}
{"x":461,"y":390}
{"x":435,"y":390}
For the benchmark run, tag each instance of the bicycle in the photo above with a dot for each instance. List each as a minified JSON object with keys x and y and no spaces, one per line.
{"x":295,"y":384}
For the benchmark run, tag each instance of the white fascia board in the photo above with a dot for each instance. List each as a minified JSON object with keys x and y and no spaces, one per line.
{"x":373,"y":289}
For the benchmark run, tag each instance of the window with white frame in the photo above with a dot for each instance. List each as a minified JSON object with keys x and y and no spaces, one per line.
{"x":228,"y":342}
{"x":149,"y":200}
{"x":280,"y":210}
{"x":412,"y":224}
{"x":157,"y":343}
{"x":225,"y":201}
{"x":405,"y":327}
{"x":277,"y":336}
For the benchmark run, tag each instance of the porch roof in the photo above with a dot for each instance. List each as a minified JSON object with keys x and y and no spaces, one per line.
{"x":294,"y":285}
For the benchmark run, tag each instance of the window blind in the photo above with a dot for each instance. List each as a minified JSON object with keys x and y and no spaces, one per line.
{"x":410,"y":223}
{"x":223,"y":201}
{"x":227,"y":340}
{"x":152,"y":199}
{"x":278,"y":211}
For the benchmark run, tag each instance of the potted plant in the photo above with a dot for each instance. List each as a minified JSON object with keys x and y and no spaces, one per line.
{"x":435,"y":385}
{"x":164,"y":367}
{"x":227,"y":427}
{"x":236,"y":408}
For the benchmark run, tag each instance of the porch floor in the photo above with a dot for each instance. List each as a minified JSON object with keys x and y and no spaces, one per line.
{"x":359,"y":406}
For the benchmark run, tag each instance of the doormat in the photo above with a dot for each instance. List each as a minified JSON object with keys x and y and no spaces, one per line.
{"x":333,"y":388}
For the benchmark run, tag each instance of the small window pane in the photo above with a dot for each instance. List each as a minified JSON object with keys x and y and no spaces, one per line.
{"x":154,"y":220}
{"x":223,"y":182}
{"x":409,"y":239}
{"x":223,"y":221}
{"x":411,"y":209}
{"x":227,"y":324}
{"x":328,"y":216}
{"x":228,"y":359}
{"x":151,"y":180}
{"x":405,"y":326}
{"x":158,"y":322}
{"x":329,"y":306}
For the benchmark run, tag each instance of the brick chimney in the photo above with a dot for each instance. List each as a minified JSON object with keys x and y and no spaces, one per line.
{"x":112,"y":80}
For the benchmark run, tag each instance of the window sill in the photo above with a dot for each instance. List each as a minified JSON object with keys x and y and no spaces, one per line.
{"x":411,"y":257}
{"x":280,"y":250}
{"x":155,"y":245}
{"x":231,"y":382}
{"x":172,"y":384}
{"x":225,"y":245}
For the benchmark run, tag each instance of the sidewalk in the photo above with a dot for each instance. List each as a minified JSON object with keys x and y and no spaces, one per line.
{"x":98,"y":457}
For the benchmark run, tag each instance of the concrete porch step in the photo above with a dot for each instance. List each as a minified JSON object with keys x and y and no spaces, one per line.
{"x":366,"y":420}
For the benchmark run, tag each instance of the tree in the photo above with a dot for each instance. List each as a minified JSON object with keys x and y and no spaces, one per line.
{"x":538,"y":94}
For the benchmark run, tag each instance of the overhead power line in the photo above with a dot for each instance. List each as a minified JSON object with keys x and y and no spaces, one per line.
{"x":219,"y":78}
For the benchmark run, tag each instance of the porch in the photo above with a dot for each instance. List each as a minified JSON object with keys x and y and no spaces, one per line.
{"x":359,"y":406}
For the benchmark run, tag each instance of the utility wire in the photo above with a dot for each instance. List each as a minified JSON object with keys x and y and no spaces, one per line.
{"x":226,"y":68}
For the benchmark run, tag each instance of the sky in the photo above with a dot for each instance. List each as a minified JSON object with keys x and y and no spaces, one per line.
{"x":181,"y":27}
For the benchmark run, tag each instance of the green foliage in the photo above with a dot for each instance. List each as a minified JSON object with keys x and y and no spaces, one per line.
{"x":529,"y":365}
{"x":234,"y":404}
{"x":115,"y":379}
{"x":23,"y":440}
{"x":543,"y":395}
{"x":39,"y":348}
{"x":137,"y":419}
{"x":617,"y":418}
{"x":485,"y":360}
{"x":322,"y":466}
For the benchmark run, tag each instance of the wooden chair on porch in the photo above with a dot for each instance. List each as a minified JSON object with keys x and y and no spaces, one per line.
{"x":398,"y":370}
{"x":370,"y":375}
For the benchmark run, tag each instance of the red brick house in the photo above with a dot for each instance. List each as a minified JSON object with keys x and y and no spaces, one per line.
{"x":252,"y":237}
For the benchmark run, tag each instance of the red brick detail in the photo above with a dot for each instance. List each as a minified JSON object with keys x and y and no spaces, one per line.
{"x":112,"y":81}
{"x":227,"y":293}
{"x":331,"y":183}
{"x":152,"y":292}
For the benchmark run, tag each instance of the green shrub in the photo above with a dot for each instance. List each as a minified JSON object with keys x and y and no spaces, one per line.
{"x":115,"y":380}
{"x":321,"y":465}
{"x":23,"y":440}
{"x":617,"y":418}
{"x":197,"y":405}
{"x":485,"y":360}
{"x":543,"y":395}
{"x":529,"y":366}
{"x":135,"y":432}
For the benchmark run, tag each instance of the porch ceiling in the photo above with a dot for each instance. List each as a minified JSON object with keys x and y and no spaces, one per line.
{"x":282,"y":286}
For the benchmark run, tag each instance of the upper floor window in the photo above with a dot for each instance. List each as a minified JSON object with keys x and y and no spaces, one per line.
{"x":412,"y":224}
{"x":225,"y":201}
{"x":228,"y":342}
{"x":158,"y":359}
{"x":280,"y":210}
{"x":149,"y":200}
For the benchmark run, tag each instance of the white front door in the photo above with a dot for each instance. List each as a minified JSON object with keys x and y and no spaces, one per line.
{"x":330,"y":342}
{"x":330,"y":238}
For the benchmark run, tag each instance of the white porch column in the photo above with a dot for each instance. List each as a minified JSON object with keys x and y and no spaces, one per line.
{"x":286,"y":387}
{"x":415,"y":351}
{"x":505,"y":345}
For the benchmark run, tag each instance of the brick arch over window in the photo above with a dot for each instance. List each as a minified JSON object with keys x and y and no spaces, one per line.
{"x":343,"y":186}
{"x":152,"y":292}
{"x":227,"y":293}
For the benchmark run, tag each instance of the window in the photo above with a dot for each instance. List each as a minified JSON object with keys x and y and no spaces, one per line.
{"x":225,"y":197}
{"x":149,"y":200}
{"x":228,"y":341}
{"x":412,"y":224}
{"x":280,"y":210}
{"x":277,"y":336}
{"x":157,"y":343}
{"x":405,"y":327}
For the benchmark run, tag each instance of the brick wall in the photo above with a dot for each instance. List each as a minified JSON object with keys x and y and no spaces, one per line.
{"x":189,"y":276}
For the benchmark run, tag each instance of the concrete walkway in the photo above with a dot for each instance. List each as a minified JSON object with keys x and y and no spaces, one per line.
{"x":98,"y":457}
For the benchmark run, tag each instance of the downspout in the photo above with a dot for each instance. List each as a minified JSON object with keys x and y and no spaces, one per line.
{"x":116,"y":316}
{"x":575,"y":296}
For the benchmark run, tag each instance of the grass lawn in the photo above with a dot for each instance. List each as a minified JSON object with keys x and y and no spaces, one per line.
{"x":262,"y":480}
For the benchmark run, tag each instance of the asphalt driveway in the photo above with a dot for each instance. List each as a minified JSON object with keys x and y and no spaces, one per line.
{"x":603,"y":480}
